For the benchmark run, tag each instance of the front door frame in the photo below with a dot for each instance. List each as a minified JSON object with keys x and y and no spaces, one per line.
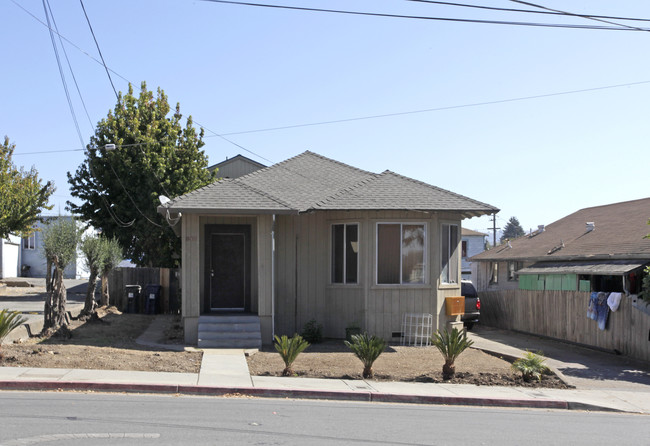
{"x":244,"y":229}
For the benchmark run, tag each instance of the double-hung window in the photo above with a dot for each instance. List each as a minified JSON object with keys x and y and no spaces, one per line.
{"x":401,"y":253}
{"x":345,"y":253}
{"x":29,"y":242}
{"x":449,"y":249}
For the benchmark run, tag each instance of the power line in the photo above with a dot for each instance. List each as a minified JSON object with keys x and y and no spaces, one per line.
{"x":99,"y":50}
{"x":415,"y":17}
{"x":67,"y":40}
{"x":588,"y":17}
{"x":74,"y":78}
{"x":427,"y":110}
{"x":549,"y":12}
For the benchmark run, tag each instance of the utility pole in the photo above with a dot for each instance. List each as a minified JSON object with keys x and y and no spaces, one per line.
{"x":494,"y":229}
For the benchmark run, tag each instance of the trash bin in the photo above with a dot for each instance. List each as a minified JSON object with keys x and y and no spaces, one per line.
{"x":152,"y":299}
{"x":132,"y":298}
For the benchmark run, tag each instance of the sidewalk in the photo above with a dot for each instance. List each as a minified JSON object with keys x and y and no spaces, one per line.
{"x":225,"y":372}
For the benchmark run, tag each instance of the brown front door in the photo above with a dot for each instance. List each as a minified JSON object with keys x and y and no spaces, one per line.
{"x":228,"y":267}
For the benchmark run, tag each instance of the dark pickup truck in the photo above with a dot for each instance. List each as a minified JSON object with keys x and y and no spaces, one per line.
{"x":472,"y":304}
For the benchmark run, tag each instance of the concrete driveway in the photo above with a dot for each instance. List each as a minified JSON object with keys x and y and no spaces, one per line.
{"x":581,"y":367}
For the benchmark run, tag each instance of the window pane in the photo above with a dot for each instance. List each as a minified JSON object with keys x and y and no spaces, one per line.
{"x":351,"y":253}
{"x":448,"y":249}
{"x":388,"y":253}
{"x":337,"y":253}
{"x":453,"y":254}
{"x":412,"y":254}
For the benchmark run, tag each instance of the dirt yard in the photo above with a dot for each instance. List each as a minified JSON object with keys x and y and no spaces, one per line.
{"x":331,"y":359}
{"x":107,"y":344}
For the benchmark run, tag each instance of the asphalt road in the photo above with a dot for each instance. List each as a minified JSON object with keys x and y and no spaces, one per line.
{"x":100,"y":419}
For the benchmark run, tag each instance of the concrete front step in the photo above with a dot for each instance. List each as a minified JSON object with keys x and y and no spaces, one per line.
{"x":230,"y":331}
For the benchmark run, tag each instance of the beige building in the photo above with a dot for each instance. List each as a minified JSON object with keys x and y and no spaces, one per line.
{"x":311,"y":238}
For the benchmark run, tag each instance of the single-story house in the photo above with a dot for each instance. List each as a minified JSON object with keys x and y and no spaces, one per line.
{"x":578,"y":279}
{"x":472,"y":243}
{"x":602,"y":248}
{"x":311,"y":238}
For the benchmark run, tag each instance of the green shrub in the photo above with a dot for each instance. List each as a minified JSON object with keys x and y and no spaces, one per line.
{"x":531,"y":366}
{"x":312,"y":332}
{"x":9,"y":321}
{"x":289,"y":349}
{"x":367,"y":349}
{"x":451,"y":345}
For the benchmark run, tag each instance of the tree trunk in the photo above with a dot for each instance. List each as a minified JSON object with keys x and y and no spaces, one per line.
{"x":367,"y":372}
{"x":54,"y":312}
{"x":106,"y":298}
{"x":448,"y":370}
{"x":89,"y":304}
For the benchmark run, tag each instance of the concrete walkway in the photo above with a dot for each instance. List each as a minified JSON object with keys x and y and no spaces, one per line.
{"x":225,"y":372}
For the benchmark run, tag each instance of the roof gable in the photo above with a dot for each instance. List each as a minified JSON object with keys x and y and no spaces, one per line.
{"x":313,"y":182}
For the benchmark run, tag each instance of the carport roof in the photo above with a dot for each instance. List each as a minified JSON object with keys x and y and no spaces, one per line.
{"x":607,"y":268}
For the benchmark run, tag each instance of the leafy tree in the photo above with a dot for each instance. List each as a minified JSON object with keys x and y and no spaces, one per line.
{"x":112,"y":258}
{"x":512,"y":230}
{"x":61,"y":236}
{"x":154,"y":155}
{"x":22,"y":194}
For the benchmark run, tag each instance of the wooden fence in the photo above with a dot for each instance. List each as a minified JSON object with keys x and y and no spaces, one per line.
{"x":563,"y":315}
{"x":168,"y":279}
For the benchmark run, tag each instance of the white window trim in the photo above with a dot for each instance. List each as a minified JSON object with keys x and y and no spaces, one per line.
{"x":30,"y":246}
{"x":425,"y":254}
{"x":458,"y":268}
{"x":345,"y":223}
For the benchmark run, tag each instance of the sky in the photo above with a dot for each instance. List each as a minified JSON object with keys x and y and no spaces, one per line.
{"x":517,"y":116}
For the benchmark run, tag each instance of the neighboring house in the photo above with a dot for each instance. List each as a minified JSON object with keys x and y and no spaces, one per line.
{"x":10,"y":257}
{"x":313,"y":238}
{"x":236,"y":167}
{"x":33,"y":263}
{"x":472,"y":243}
{"x":601,"y":248}
{"x":577,"y":279}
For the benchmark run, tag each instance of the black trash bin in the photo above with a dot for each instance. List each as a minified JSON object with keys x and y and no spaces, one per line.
{"x":132,"y":298}
{"x":152,"y":299}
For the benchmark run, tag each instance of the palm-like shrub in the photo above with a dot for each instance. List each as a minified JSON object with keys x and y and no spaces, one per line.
{"x":531,"y":366}
{"x":289,"y":349}
{"x":367,"y":349}
{"x":9,"y":321}
{"x":451,"y":345}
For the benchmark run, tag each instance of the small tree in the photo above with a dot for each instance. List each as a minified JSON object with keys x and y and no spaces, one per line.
{"x":93,"y":250}
{"x":289,"y":349}
{"x":451,"y":345}
{"x":60,"y":239}
{"x":9,"y":321}
{"x":531,"y":366}
{"x":512,"y":230}
{"x":112,"y":257}
{"x":367,"y":349}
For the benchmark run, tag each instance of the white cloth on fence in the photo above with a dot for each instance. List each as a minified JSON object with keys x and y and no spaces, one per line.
{"x":614,"y":300}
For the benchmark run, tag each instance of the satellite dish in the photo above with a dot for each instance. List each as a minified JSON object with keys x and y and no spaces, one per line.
{"x":163,"y":199}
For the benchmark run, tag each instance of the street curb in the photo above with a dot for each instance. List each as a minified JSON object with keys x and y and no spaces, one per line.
{"x":295,"y":394}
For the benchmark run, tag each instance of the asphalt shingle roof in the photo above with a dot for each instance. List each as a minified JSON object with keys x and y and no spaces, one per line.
{"x":312,"y":182}
{"x":619,"y":232}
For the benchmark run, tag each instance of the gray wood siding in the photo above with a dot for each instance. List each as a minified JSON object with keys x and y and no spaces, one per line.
{"x":303,"y":288}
